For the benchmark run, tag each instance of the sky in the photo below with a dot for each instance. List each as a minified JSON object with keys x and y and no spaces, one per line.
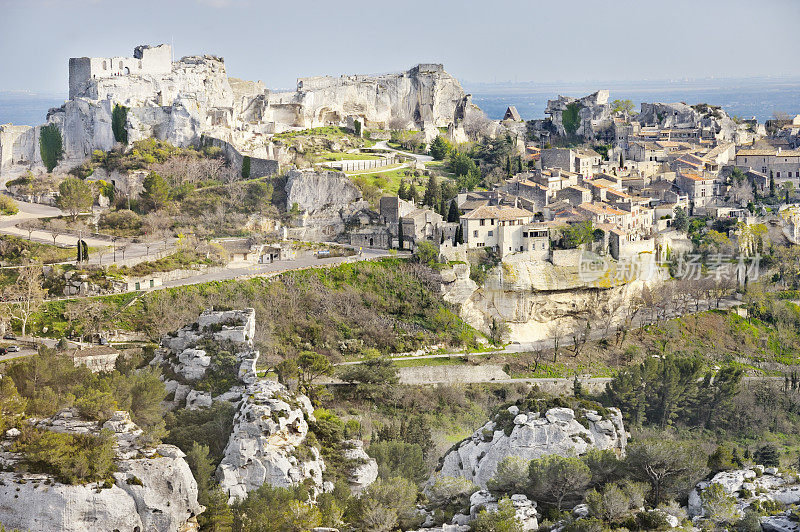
{"x":478,"y":41}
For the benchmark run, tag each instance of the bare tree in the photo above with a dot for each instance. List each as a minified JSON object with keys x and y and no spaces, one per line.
{"x":557,"y":333}
{"x":57,"y":227}
{"x":26,"y":296}
{"x":156,"y":229}
{"x":86,"y":314}
{"x":580,"y":332}
{"x":476,"y":124}
{"x":399,"y":122}
{"x":741,"y":191}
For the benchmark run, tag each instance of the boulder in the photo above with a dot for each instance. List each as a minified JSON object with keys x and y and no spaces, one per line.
{"x":152,"y":488}
{"x":557,"y":432}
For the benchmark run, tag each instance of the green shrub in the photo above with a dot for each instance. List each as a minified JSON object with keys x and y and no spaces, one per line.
{"x":70,"y":458}
{"x":8,"y":206}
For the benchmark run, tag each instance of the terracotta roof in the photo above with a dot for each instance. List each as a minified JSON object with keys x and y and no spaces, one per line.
{"x":695,"y":177}
{"x":601,"y":208}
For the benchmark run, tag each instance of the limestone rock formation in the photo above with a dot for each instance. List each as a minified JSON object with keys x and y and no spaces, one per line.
{"x":366,"y":472}
{"x":269,"y":429}
{"x":270,"y":426}
{"x":328,"y":199}
{"x":748,"y":486}
{"x":192,"y":99}
{"x":594,"y":114}
{"x":534,"y":298}
{"x":153,"y":488}
{"x":533,"y":435}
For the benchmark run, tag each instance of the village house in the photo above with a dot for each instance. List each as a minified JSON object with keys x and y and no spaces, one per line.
{"x":701,"y":188}
{"x":98,"y":359}
{"x":496,"y":227}
{"x":781,"y":165}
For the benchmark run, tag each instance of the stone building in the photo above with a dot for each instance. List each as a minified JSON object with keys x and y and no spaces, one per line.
{"x":782,"y":165}
{"x":97,"y":358}
{"x":146,"y":60}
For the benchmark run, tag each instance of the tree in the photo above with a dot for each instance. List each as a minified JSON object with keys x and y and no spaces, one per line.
{"x":453,"y":215}
{"x":51,"y":146}
{"x":413,"y":194}
{"x":440,"y":148}
{"x":86,"y":315}
{"x":376,"y":369}
{"x":718,"y":505}
{"x":246,"y":167}
{"x":426,"y":253}
{"x":400,"y":236}
{"x":771,"y":184}
{"x":504,"y":519}
{"x":577,"y":234}
{"x":26,"y":296}
{"x":400,"y":458}
{"x":156,"y":191}
{"x":681,"y":221}
{"x":402,"y":190}
{"x":511,"y":476}
{"x":668,"y":466}
{"x":623,"y":107}
{"x":357,"y":127}
{"x":767,"y":455}
{"x":312,"y":365}
{"x":433,"y":193}
{"x":119,"y":119}
{"x":74,"y":196}
{"x":555,"y":478}
{"x":571,"y":118}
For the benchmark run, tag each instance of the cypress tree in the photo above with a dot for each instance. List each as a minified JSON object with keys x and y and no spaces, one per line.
{"x":443,"y":208}
{"x":413,"y":194}
{"x":771,"y":184}
{"x":400,"y":236}
{"x":432,"y":193}
{"x":453,"y":215}
{"x":51,"y":146}
{"x":402,"y":191}
{"x":246,"y":167}
{"x":119,"y":118}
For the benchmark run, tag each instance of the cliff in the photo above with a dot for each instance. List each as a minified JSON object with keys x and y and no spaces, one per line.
{"x":193,"y":98}
{"x":152,"y":489}
{"x":535,"y":297}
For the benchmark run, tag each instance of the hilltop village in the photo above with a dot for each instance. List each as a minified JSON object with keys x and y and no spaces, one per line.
{"x":364,"y":305}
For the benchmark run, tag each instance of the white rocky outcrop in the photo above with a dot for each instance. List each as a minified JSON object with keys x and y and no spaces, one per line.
{"x":153,"y":488}
{"x":594,"y":113}
{"x":366,"y":472}
{"x":533,"y":435}
{"x":328,"y":199}
{"x":748,"y":486}
{"x":268,"y":431}
{"x":535,"y":298}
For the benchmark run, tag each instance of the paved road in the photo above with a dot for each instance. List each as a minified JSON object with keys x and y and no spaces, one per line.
{"x":275,"y":268}
{"x":383,"y":145}
{"x":105,"y":254}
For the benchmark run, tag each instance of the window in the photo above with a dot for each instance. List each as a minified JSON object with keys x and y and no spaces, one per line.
{"x":779,"y":174}
{"x":104,"y":66}
{"x":483,"y":222}
{"x":492,"y":221}
{"x":524,"y":234}
{"x":120,"y":65}
{"x":475,"y":233}
{"x":490,"y":233}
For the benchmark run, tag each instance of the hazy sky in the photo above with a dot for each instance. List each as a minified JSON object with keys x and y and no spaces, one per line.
{"x":533,"y":40}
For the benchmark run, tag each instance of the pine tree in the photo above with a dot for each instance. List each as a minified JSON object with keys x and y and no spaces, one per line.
{"x":453,"y":215}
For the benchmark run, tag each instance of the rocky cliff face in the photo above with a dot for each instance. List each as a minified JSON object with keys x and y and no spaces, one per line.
{"x":530,"y":435}
{"x":594,"y":113}
{"x":270,"y":426}
{"x":197,"y":99}
{"x":534,"y":298}
{"x":328,"y":199}
{"x":425,"y":94}
{"x":153,"y":488}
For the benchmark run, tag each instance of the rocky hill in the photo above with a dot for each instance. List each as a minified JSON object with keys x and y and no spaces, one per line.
{"x":152,"y":488}
{"x":195,"y":99}
{"x":213,"y":360}
{"x":529,"y":435}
